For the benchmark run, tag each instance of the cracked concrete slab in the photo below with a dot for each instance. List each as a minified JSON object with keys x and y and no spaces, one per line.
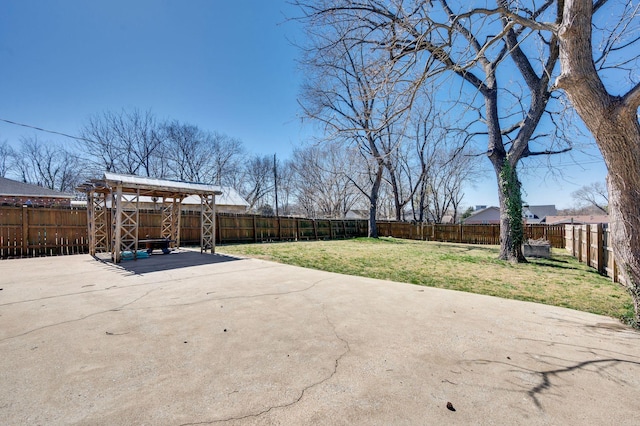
{"x":218,"y":340}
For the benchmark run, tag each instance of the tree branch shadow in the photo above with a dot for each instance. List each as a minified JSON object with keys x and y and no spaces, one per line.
{"x":548,"y":375}
{"x":547,"y":379}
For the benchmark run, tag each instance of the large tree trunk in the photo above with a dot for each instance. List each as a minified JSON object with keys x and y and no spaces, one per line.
{"x":613,"y":121}
{"x":373,"y":203}
{"x":624,"y":216}
{"x":511,"y":229}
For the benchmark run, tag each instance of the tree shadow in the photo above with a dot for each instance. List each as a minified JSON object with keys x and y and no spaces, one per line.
{"x":551,"y":265}
{"x":549,"y":378}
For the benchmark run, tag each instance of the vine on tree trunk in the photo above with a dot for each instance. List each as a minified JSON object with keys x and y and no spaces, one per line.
{"x":510,"y":187}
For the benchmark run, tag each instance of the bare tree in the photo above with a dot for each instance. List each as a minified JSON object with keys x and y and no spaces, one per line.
{"x":324,"y":180}
{"x":122,"y":142}
{"x":353,"y":93}
{"x":196,"y":155}
{"x":598,"y":47}
{"x":257,"y":180}
{"x":286,"y":186}
{"x":47,"y":165}
{"x":6,"y":155}
{"x":226,"y":159}
{"x":612,"y":119}
{"x":481,"y":50}
{"x":433,"y":163}
{"x":594,"y":194}
{"x":452,"y":170}
{"x":188,"y":153}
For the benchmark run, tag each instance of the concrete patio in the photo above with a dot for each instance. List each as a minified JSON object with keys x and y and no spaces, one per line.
{"x":191,"y":338}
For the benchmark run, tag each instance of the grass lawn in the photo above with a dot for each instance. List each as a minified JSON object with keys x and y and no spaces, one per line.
{"x":559,"y":281}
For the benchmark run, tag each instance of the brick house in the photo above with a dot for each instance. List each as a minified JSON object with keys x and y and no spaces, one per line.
{"x":14,"y":193}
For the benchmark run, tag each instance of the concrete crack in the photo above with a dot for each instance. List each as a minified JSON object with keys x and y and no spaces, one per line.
{"x":118,"y":308}
{"x":347,"y":349}
{"x":244,"y":296}
{"x":56,"y":296}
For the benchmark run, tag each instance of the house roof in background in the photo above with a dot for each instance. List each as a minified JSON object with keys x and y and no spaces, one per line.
{"x":13,"y":188}
{"x":577,"y":219}
{"x":486,"y":215}
{"x":484,"y":211}
{"x":542,"y":211}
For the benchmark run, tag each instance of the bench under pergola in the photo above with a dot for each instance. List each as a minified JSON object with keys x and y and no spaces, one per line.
{"x":121,"y":194}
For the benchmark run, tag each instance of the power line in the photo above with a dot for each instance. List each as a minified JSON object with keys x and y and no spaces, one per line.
{"x":45,"y":130}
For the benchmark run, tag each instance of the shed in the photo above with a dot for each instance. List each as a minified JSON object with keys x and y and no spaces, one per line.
{"x":124,"y":193}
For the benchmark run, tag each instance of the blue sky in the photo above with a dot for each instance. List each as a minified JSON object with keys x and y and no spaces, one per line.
{"x":222,"y":65}
{"x":227,"y":66}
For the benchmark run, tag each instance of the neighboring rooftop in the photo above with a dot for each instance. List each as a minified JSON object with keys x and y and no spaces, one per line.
{"x":537,"y":214}
{"x":14,"y":188}
{"x":577,"y":219}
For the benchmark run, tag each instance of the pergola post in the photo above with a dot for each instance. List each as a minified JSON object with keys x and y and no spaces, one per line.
{"x":208,"y":223}
{"x":126,"y":224}
{"x":171,"y":219}
{"x":91,"y":224}
{"x":117,"y":225}
{"x":100,"y":217}
{"x":97,"y":221}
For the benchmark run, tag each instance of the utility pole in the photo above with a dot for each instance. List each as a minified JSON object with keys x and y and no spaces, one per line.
{"x":275,"y":182}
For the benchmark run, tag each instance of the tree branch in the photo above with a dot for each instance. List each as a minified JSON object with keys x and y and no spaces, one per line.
{"x":528,"y":153}
{"x":632,"y":98}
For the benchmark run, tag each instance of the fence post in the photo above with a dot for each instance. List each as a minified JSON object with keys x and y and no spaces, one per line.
{"x":315,"y":229}
{"x":600,"y":248}
{"x":279,"y":229}
{"x":460,"y":235}
{"x":216,"y":228}
{"x":588,"y":238}
{"x":580,"y":254}
{"x":255,"y":230}
{"x":25,"y":231}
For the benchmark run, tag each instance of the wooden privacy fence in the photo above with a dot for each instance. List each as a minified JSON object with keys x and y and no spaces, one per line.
{"x":468,"y":234}
{"x":254,"y":229}
{"x":30,"y":231}
{"x":590,"y":244}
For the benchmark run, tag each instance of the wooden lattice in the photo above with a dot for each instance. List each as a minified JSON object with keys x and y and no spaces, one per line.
{"x":98,"y":223}
{"x":208,"y":220}
{"x":126,"y":222}
{"x":171,"y":220}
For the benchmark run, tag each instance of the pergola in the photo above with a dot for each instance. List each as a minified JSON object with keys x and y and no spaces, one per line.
{"x":121,"y":194}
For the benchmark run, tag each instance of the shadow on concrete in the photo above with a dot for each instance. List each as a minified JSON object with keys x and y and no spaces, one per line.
{"x":174,"y":260}
{"x":552,"y":378}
